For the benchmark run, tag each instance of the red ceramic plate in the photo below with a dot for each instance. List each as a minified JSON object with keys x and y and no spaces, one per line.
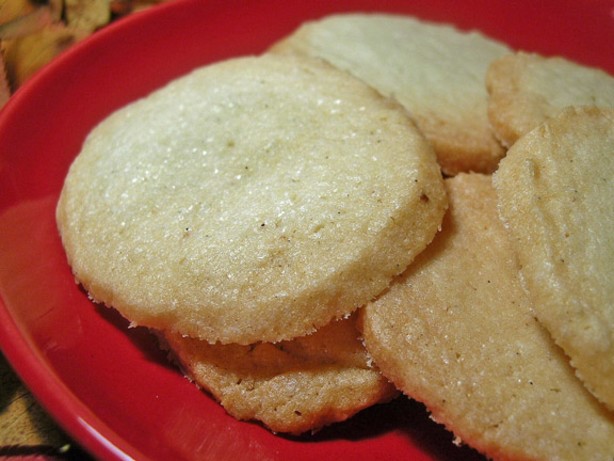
{"x":110,"y":387}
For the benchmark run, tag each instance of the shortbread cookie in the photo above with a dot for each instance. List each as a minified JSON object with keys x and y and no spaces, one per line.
{"x":456,"y":332}
{"x":255,"y":199}
{"x":556,"y":194}
{"x":292,"y":386}
{"x":435,"y":70}
{"x":526,"y":89}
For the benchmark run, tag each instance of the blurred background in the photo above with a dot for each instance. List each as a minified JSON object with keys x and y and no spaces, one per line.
{"x":34,"y":32}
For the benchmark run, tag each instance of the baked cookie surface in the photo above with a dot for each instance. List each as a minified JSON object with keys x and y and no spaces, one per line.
{"x":255,"y":199}
{"x":435,"y":70}
{"x":293,"y":386}
{"x":527,"y":89}
{"x":456,"y":331}
{"x":556,"y":196}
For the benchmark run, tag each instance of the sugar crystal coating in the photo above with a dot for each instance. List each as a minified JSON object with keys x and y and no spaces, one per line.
{"x":254,"y":199}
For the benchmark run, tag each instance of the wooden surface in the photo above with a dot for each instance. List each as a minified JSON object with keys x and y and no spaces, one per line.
{"x":26,"y":431}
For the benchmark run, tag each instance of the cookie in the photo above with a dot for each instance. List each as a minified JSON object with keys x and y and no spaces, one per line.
{"x":255,"y":199}
{"x":527,"y":89}
{"x":456,"y":332}
{"x":556,"y":196}
{"x":293,"y":386}
{"x":435,"y":70}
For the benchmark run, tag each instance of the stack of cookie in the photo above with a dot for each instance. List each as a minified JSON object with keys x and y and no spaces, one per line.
{"x":274,"y":220}
{"x":246,"y":205}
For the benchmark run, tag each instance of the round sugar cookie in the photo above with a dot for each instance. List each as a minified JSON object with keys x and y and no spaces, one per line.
{"x":556,"y":196}
{"x":293,"y":386}
{"x":254,"y":199}
{"x":456,"y":332}
{"x":526,"y":89}
{"x":435,"y":70}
